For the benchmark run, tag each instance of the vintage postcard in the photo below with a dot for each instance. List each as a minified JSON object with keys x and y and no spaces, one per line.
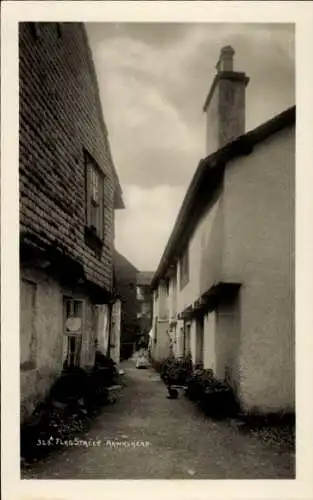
{"x":152,"y":157}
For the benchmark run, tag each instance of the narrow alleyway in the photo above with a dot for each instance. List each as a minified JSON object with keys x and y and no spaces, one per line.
{"x":173,"y":441}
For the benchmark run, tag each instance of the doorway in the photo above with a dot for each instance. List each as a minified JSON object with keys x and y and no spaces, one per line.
{"x":199,"y":340}
{"x":228,"y":342}
{"x":187,"y":346}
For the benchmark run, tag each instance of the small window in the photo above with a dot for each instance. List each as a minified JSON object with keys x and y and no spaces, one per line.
{"x":140,"y":295}
{"x":184,"y":268}
{"x":187,"y":340}
{"x":73,"y":331}
{"x":94,"y":194}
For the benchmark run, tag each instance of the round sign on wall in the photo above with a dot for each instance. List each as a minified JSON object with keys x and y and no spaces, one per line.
{"x":73,"y":324}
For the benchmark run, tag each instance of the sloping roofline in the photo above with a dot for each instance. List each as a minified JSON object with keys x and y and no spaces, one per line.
{"x":241,"y":146}
{"x":118,"y":256}
{"x":118,"y":192}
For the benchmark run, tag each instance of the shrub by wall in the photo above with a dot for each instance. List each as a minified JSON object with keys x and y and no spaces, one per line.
{"x":215,"y":397}
{"x":73,"y":400}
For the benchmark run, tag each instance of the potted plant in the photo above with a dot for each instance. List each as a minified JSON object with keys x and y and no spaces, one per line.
{"x":215,"y":397}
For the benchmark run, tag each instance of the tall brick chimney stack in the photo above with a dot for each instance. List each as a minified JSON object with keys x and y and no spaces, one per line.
{"x":225,"y":104}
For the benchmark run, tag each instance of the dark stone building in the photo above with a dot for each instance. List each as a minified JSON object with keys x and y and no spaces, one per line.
{"x":125,"y":282}
{"x":69,"y":190}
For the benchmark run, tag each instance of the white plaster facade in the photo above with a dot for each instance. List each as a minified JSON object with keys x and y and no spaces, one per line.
{"x":246,"y":236}
{"x":234,"y":307}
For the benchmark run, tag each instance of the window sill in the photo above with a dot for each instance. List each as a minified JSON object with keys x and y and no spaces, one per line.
{"x":93,"y":240}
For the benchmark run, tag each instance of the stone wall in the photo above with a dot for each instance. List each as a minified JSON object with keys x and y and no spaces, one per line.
{"x":60,"y":117}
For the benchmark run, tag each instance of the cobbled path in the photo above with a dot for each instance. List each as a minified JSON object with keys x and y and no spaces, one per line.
{"x":144,"y":435}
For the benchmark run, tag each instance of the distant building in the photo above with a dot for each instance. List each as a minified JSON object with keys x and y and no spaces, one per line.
{"x":69,"y":190}
{"x":144,"y":296}
{"x":125,"y":282}
{"x":224,"y":288}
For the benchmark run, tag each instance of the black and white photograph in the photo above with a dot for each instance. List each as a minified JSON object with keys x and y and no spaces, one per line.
{"x":156,"y":247}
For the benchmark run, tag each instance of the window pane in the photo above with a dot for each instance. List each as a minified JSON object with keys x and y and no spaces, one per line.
{"x":72,"y":342}
{"x":74,"y":350}
{"x":67,"y":309}
{"x":94,"y":216}
{"x":94,"y":185}
{"x":78,"y":309}
{"x":99,"y":218}
{"x":95,"y":202}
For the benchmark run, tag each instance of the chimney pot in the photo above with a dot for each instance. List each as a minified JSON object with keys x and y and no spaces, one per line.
{"x":225,"y":103}
{"x":226,"y":60}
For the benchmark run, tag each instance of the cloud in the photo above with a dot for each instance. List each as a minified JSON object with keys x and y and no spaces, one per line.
{"x":150,"y":139}
{"x":153,"y":81}
{"x":153,"y":140}
{"x":153,"y":91}
{"x":143,"y":229}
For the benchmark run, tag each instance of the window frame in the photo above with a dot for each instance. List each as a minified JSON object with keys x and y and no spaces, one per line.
{"x":73,"y":336}
{"x":94,"y":177}
{"x":139,"y":293}
{"x":187,"y":339}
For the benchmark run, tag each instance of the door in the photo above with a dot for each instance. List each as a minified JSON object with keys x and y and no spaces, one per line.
{"x":187,"y":346}
{"x":199,"y":340}
{"x":228,"y":342}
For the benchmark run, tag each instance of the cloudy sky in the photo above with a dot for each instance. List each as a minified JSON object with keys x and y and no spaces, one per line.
{"x":153,"y":81}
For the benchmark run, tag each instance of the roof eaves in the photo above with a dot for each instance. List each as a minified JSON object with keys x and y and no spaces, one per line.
{"x":241,"y":146}
{"x":181,"y":214}
{"x":118,"y":198}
